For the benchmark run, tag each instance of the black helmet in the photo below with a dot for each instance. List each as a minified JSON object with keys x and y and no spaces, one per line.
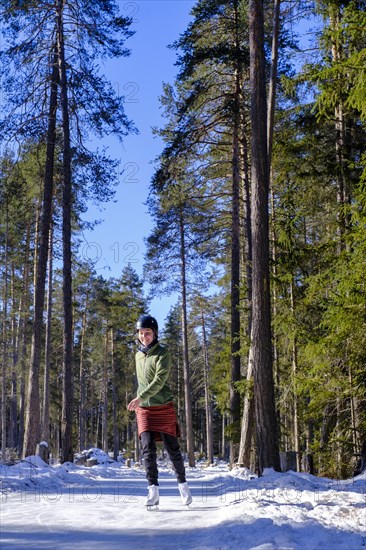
{"x":146,"y":321}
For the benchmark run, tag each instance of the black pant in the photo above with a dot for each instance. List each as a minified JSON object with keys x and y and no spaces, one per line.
{"x":172,"y":447}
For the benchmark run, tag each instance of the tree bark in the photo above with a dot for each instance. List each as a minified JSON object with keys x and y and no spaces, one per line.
{"x":67,"y":388}
{"x":47,"y":360}
{"x":82,"y":381}
{"x":247,"y":419}
{"x":295,"y":411}
{"x":208,"y":405}
{"x":4,"y":344}
{"x":272,"y":79}
{"x":234,"y":404}
{"x":114,"y":400}
{"x":23,"y":340}
{"x":105,"y":392}
{"x":187,"y":378}
{"x":265,"y":412}
{"x":32,"y":416}
{"x":270,"y":130}
{"x":335,"y":21}
{"x":13,"y":424}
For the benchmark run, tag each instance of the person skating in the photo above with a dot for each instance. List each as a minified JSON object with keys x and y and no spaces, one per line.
{"x":156,"y":416}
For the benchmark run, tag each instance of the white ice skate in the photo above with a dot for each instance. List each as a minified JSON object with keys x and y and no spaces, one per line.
{"x":185,"y":493}
{"x":152,"y":498}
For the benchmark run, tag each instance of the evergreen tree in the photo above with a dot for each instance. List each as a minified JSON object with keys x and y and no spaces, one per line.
{"x":265,"y":413}
{"x":212,"y":117}
{"x":54,"y":33}
{"x":172,"y":245}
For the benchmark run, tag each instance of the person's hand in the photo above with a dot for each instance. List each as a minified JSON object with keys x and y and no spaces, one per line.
{"x":134,"y":404}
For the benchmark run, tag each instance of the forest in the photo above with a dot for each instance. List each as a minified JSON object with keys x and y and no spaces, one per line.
{"x":258,"y":202}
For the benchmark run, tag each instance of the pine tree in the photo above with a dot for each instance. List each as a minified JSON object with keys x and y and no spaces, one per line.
{"x":95,"y":106}
{"x":172,"y":245}
{"x":212,"y":117}
{"x":265,"y":413}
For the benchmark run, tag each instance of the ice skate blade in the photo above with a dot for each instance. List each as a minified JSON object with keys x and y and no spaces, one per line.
{"x":151,"y":507}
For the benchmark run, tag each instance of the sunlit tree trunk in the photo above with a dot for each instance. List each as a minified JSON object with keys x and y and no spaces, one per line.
{"x":235,"y":297}
{"x":270,"y":130}
{"x":13,"y":424}
{"x":335,"y":22}
{"x":4,"y":343}
{"x":208,"y":404}
{"x":82,"y":379}
{"x":67,"y":388}
{"x":114,"y":398}
{"x":47,"y":359}
{"x":248,"y":405}
{"x":265,"y":412}
{"x":105,"y":392}
{"x":23,"y":339}
{"x":247,"y":418}
{"x":295,"y":410}
{"x":273,"y":78}
{"x":186,"y":370}
{"x":32,"y":416}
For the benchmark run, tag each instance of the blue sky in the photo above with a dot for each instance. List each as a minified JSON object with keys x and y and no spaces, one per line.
{"x":119,"y":239}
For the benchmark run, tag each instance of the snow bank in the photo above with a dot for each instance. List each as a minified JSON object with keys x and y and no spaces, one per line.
{"x":101,"y":508}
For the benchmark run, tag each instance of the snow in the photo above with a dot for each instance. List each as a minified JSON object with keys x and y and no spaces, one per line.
{"x":101,"y":507}
{"x":98,"y":455}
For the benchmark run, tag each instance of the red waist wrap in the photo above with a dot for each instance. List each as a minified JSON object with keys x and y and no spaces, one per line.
{"x":160,"y":418}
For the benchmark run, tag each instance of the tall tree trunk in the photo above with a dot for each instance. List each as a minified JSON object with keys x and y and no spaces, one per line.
{"x":270,"y":130}
{"x":265,"y":411}
{"x":247,"y":226}
{"x":4,"y":343}
{"x":67,"y":388}
{"x":98,"y":422}
{"x":234,"y":404}
{"x":13,"y":424}
{"x":47,"y":359}
{"x":82,"y":381}
{"x":186,"y":370}
{"x":272,"y":79}
{"x":105,"y":392}
{"x":23,"y":339}
{"x":114,"y":400}
{"x":247,"y":418}
{"x":208,"y":404}
{"x":32,"y":416}
{"x":335,"y":22}
{"x":354,"y":402}
{"x":274,"y":294}
{"x":247,"y":421}
{"x":224,"y":452}
{"x":295,"y":411}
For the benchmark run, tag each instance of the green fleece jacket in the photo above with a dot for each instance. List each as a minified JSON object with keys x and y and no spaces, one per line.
{"x":152,"y":371}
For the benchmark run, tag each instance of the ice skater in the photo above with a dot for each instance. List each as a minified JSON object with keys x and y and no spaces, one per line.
{"x":155,"y":411}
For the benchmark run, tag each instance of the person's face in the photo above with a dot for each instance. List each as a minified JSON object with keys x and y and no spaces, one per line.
{"x":146,"y":336}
